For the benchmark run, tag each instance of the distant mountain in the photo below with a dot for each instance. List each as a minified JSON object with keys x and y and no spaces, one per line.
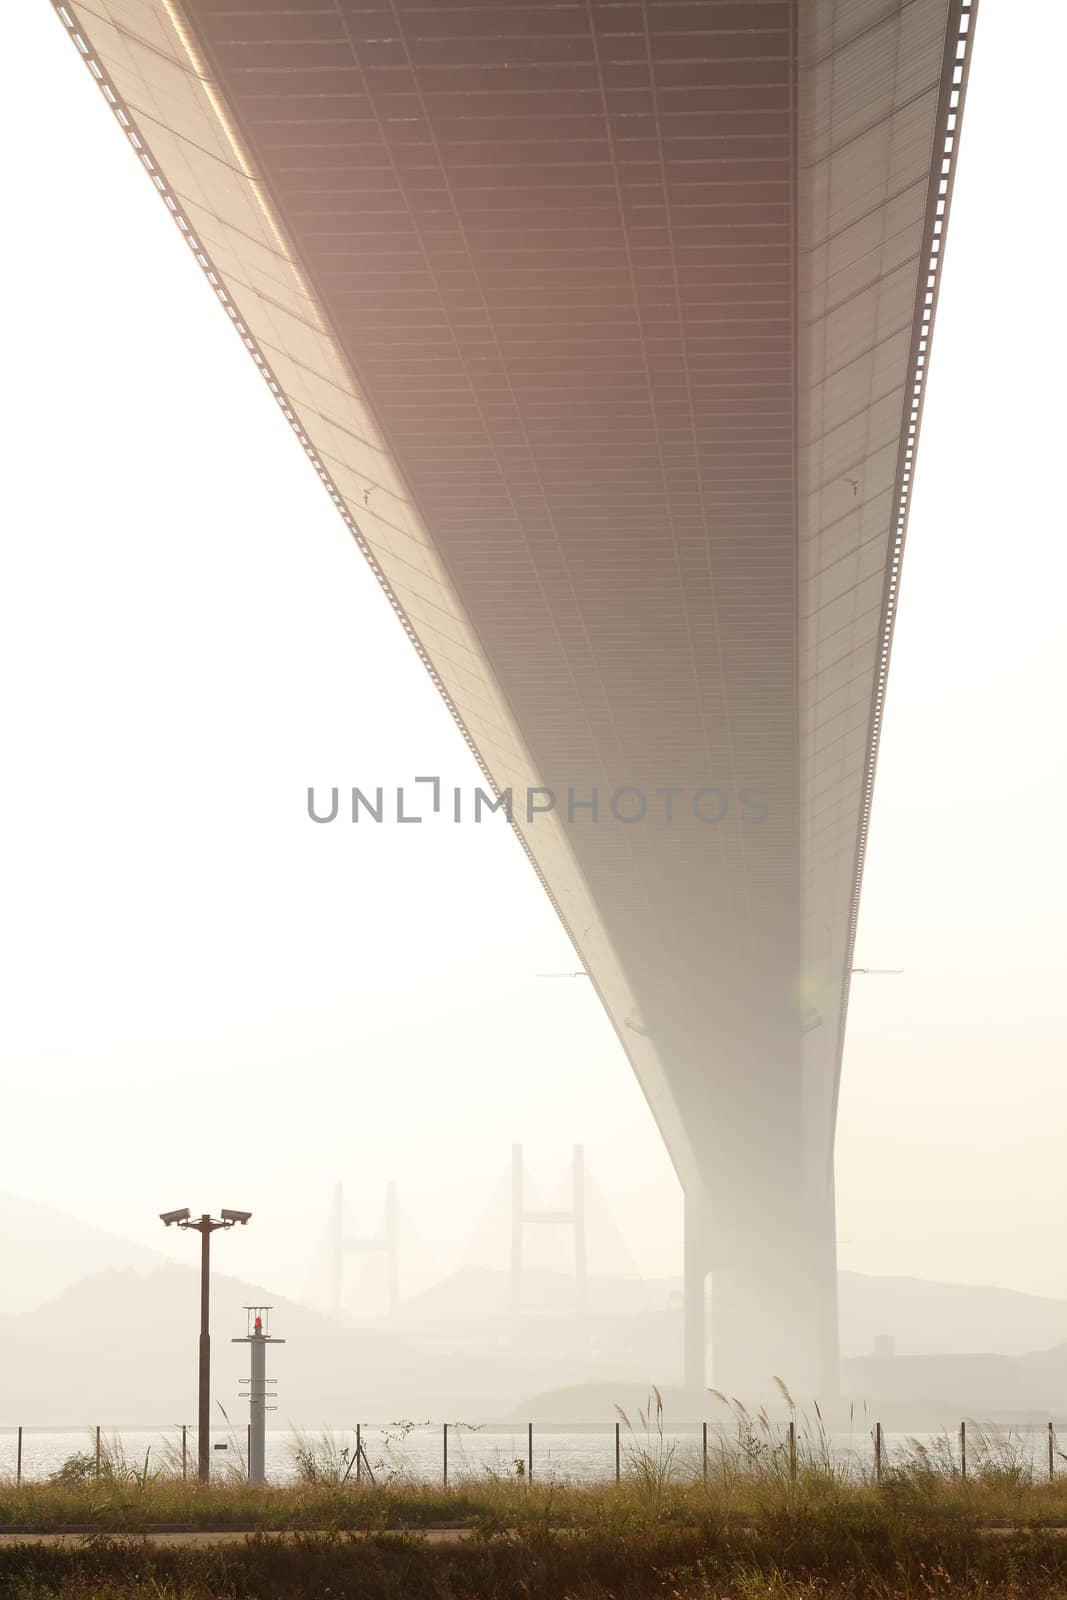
{"x":990,"y":1388}
{"x":94,"y":1328}
{"x":923,"y":1317}
{"x":44,"y":1251}
{"x":480,"y":1294}
{"x":121,"y":1348}
{"x":928,"y":1318}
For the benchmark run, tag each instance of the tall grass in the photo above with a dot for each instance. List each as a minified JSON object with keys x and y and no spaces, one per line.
{"x":750,"y":1475}
{"x":651,"y":1461}
{"x":600,"y":1545}
{"x":745,"y":1486}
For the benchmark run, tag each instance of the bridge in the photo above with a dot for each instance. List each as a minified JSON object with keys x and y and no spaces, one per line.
{"x":605,"y":325}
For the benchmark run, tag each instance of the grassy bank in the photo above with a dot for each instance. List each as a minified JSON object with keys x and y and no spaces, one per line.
{"x":765,"y":1522}
{"x":112,"y":1505}
{"x":916,"y":1534}
{"x":753,"y":1475}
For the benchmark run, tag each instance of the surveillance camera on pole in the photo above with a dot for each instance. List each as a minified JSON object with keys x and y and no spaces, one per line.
{"x":167,"y":1217}
{"x":205,"y":1226}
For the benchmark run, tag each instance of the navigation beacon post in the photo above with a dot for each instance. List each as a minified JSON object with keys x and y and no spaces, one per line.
{"x":258,"y":1338}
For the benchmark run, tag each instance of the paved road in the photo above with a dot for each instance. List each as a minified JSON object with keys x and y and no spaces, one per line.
{"x":185,"y":1536}
{"x":432,"y":1536}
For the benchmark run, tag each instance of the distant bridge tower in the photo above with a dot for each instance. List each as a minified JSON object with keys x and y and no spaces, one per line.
{"x":521,"y":1218}
{"x":342,"y":1242}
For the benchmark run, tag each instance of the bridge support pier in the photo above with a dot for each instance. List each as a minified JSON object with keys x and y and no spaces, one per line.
{"x":695,"y":1330}
{"x":773,"y":1307}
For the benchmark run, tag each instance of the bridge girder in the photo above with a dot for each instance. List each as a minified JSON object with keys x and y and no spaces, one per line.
{"x":606,"y":327}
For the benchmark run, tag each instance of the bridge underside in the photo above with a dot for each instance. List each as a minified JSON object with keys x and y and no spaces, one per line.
{"x":606,"y":325}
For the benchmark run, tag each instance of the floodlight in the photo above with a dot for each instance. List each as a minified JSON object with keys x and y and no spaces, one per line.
{"x":235,"y":1216}
{"x":167,"y":1217}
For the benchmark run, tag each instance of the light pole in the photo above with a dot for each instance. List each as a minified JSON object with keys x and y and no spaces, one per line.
{"x":205,"y":1226}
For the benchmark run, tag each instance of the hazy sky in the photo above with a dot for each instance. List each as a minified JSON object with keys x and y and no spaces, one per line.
{"x":209,"y":1001}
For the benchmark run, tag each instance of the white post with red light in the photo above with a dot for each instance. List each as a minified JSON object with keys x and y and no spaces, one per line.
{"x":258,"y":1338}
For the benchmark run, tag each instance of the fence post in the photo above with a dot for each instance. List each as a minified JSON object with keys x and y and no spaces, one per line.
{"x":792,"y":1450}
{"x":18,"y":1459}
{"x":1051,"y":1453}
{"x":878,"y":1452}
{"x":963,"y":1449}
{"x":704,"y":1428}
{"x":185,"y":1451}
{"x":529,"y":1452}
{"x":618,"y":1455}
{"x":98,"y":1449}
{"x":445,"y":1455}
{"x":359,"y":1451}
{"x":248,"y":1452}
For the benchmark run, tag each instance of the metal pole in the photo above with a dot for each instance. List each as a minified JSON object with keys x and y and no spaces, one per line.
{"x":98,"y":1449}
{"x":705,"y":1433}
{"x":257,"y":1423}
{"x":204,"y":1410}
{"x":359,"y":1451}
{"x":1051,"y":1453}
{"x":963,"y":1449}
{"x":878,"y":1452}
{"x":445,"y":1456}
{"x":529,"y":1451}
{"x":618,"y":1455}
{"x":185,"y":1452}
{"x":257,"y":1340}
{"x":18,"y":1458}
{"x":793,"y":1450}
